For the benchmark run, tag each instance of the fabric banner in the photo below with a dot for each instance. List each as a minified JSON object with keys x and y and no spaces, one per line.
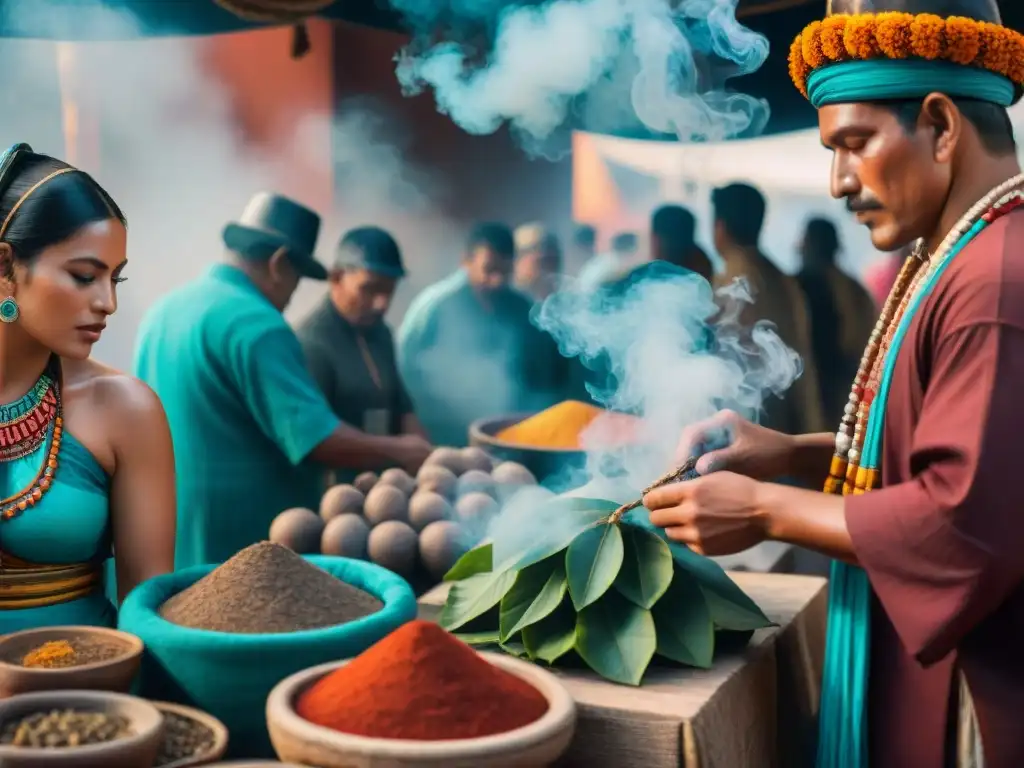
{"x":80,"y":20}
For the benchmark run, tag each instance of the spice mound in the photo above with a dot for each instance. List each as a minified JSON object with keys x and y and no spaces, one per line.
{"x":64,"y":728}
{"x":268,"y":589}
{"x":183,"y":738}
{"x":61,"y":654}
{"x":421,"y":683}
{"x":561,"y":426}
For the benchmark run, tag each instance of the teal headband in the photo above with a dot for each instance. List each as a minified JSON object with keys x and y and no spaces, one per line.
{"x":884,"y":79}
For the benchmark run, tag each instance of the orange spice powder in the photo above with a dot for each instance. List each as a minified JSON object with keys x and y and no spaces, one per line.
{"x":560,"y":426}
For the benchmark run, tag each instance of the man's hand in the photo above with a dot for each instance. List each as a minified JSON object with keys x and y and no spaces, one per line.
{"x":411,"y":451}
{"x":714,"y":515}
{"x":728,"y":442}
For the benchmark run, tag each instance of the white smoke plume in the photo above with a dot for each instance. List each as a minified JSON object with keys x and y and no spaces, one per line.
{"x":636,"y":63}
{"x":675,"y":354}
{"x":672,"y":353}
{"x":175,"y":160}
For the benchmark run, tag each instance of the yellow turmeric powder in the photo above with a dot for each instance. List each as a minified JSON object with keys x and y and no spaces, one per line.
{"x":559,"y":427}
{"x":51,"y":655}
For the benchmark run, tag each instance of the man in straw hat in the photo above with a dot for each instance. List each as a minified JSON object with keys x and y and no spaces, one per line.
{"x":921,"y":510}
{"x":251,"y":428}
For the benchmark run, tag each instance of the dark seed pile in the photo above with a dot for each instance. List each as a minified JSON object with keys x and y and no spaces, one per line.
{"x":268,"y":589}
{"x":183,"y":738}
{"x":64,"y":728}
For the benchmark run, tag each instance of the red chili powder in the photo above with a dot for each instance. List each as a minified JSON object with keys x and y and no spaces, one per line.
{"x":421,"y":683}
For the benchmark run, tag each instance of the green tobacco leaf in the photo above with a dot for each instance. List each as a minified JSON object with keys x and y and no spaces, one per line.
{"x":471,"y":597}
{"x":554,"y":636}
{"x":727,"y":600}
{"x":592,"y":562}
{"x":727,"y":614}
{"x":537,"y":591}
{"x":477,"y":560}
{"x":646,"y":567}
{"x":514,"y":647}
{"x":616,"y":638}
{"x":728,"y":603}
{"x":477,"y":638}
{"x":686,"y":632}
{"x":559,"y":521}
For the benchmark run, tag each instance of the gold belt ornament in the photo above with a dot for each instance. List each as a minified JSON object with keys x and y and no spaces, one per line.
{"x":28,"y":585}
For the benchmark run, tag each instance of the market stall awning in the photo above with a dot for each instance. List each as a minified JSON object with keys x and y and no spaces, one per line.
{"x":74,"y":20}
{"x":78,"y":20}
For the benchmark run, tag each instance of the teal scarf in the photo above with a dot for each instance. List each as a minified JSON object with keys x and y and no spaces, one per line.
{"x":842,"y":725}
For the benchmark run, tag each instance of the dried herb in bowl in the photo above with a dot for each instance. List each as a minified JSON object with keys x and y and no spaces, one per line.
{"x":63,"y":728}
{"x":184,"y":738}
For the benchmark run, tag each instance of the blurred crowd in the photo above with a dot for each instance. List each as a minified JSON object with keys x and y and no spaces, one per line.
{"x":466,"y":348}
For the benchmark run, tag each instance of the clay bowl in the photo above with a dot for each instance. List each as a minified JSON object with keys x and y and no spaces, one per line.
{"x":114,"y":674}
{"x":220,"y":734}
{"x":544,"y":463}
{"x":136,"y":751}
{"x":538,"y":744}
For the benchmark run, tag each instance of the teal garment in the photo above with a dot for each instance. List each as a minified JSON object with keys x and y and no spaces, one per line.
{"x":243,"y":409}
{"x":842,"y":719}
{"x":881,"y":79}
{"x":70,"y":524}
{"x":230,"y":676}
{"x":462,"y":361}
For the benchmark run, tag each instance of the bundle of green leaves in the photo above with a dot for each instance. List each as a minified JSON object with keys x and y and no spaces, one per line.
{"x":614,"y":593}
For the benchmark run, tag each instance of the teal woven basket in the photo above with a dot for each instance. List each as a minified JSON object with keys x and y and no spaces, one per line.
{"x":230,"y":676}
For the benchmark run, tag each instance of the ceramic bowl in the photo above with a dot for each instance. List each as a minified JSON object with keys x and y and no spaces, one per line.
{"x":114,"y":674}
{"x":251,"y":764}
{"x":135,"y":751}
{"x":538,"y":744}
{"x":542,"y":462}
{"x":220,"y":734}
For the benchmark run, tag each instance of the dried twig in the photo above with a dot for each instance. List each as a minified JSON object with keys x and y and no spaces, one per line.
{"x":670,"y":477}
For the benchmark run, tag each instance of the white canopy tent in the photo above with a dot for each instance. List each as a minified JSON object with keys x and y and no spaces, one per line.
{"x":792,"y":169}
{"x":791,"y":163}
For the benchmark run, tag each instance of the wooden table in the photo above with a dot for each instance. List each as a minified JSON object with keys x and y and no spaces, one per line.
{"x":754,"y":709}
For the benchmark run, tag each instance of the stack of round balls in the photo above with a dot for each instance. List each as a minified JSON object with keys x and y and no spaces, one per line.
{"x":401,"y":522}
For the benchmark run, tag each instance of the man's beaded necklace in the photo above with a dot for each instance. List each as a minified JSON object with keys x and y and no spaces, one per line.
{"x":24,"y":427}
{"x":846,"y":475}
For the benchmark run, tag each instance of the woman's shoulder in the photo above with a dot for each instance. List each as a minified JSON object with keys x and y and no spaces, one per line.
{"x":110,"y":392}
{"x":110,"y":412}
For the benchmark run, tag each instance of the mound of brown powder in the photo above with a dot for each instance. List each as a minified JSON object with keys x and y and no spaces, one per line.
{"x":268,"y":589}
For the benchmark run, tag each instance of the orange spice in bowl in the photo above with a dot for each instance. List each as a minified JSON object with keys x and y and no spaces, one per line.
{"x":562,"y":426}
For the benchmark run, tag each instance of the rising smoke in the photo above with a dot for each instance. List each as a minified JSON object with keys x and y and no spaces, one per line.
{"x":604,"y":65}
{"x":175,"y":159}
{"x":668,"y":350}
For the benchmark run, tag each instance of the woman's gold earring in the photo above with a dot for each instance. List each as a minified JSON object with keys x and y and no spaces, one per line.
{"x":9,"y":310}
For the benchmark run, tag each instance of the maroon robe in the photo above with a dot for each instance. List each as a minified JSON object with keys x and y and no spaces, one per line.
{"x":943,"y":539}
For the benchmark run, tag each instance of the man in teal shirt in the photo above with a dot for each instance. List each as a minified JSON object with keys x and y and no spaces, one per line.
{"x":467,"y":348}
{"x":252,"y":432}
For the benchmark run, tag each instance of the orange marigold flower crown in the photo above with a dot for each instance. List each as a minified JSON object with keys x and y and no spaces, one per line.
{"x":897,"y":35}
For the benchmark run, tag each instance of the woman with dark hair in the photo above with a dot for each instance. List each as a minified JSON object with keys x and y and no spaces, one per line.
{"x":86,"y":462}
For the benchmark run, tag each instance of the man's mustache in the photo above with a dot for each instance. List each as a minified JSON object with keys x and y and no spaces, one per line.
{"x":854,"y":205}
